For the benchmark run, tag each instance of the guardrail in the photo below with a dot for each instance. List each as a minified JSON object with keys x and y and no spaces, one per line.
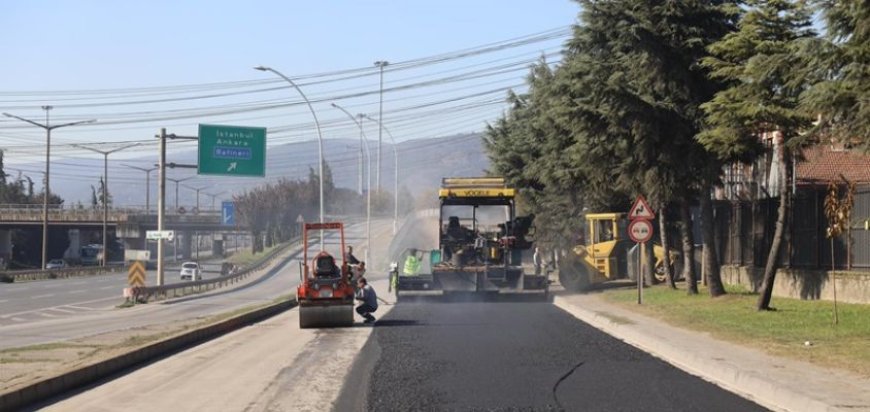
{"x":144,"y":294}
{"x":11,"y":276}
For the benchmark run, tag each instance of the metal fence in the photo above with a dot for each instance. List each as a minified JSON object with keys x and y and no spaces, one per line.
{"x":744,"y":231}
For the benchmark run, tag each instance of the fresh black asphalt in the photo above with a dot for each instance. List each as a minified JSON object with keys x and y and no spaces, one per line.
{"x":494,"y":356}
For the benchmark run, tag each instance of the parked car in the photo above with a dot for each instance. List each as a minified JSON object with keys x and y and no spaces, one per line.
{"x":191,"y":271}
{"x":56,"y":264}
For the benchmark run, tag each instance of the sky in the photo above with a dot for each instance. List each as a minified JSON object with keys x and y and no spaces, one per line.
{"x":138,"y":66}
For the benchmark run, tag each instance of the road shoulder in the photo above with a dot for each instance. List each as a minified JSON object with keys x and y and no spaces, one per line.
{"x":762,"y":378}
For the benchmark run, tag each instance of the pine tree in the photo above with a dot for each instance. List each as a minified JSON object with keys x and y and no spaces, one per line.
{"x":759,"y":61}
{"x":842,"y":62}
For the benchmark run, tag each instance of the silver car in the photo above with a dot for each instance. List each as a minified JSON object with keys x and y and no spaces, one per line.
{"x":56,"y":264}
{"x":191,"y":271}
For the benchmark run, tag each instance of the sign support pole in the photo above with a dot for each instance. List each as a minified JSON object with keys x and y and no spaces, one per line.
{"x":641,"y":272}
{"x":161,"y":205}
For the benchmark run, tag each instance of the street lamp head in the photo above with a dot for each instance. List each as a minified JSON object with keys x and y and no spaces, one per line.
{"x":334,"y":105}
{"x":262,"y":68}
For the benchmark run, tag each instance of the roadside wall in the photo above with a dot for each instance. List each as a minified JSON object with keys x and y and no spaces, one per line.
{"x":852,"y":287}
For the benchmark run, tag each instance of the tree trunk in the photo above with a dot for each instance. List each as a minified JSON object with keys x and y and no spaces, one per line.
{"x":781,"y":221}
{"x":688,"y":247}
{"x":649,"y":265}
{"x":667,"y":265}
{"x":711,"y":255}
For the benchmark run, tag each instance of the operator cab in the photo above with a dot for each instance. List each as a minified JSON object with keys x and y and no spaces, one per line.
{"x":325,"y":267}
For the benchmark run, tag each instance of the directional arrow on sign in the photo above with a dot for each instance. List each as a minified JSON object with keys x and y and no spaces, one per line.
{"x":136,"y":274}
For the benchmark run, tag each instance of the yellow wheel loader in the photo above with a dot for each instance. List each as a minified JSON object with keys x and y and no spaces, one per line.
{"x":604,"y":254}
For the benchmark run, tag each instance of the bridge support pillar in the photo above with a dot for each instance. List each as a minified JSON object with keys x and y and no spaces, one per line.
{"x":217,"y":246}
{"x":73,"y":253}
{"x":5,"y":248}
{"x":186,"y":244}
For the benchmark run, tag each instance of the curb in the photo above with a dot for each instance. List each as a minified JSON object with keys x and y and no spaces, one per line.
{"x":56,"y":385}
{"x":765,"y":391}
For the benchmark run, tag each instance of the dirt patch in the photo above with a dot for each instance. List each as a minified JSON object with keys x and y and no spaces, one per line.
{"x":23,"y":366}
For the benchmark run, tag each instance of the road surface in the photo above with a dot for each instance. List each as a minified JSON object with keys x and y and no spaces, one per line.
{"x":515,"y":356}
{"x":85,"y":317}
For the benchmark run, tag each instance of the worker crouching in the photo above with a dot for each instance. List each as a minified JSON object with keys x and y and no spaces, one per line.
{"x":369,"y":298}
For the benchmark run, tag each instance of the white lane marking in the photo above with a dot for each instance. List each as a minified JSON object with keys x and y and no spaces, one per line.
{"x":79,"y":307}
{"x":4,"y":300}
{"x":8,"y":315}
{"x":46,"y":315}
{"x":62,"y":310}
{"x":108,"y":287}
{"x":17,"y":320}
{"x":42,"y":296}
{"x":77,"y":291}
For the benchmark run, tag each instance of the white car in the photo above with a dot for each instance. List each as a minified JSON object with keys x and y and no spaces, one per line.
{"x":56,"y":264}
{"x":191,"y":271}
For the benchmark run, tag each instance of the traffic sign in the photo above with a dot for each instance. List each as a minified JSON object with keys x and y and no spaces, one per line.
{"x":232,"y":150}
{"x":134,"y":254}
{"x":160,"y":234}
{"x":640,"y":230}
{"x":300,"y":219}
{"x":136,"y":274}
{"x":641,"y":210}
{"x":228,"y":213}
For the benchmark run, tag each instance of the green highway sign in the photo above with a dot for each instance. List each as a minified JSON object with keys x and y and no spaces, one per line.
{"x":232,"y":150}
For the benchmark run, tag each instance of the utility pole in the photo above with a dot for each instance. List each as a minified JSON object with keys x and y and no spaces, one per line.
{"x":380,"y":64}
{"x":161,"y":201}
{"x":161,"y":204}
{"x":48,"y":128}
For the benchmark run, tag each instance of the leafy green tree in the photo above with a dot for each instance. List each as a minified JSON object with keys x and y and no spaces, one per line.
{"x":761,"y":63}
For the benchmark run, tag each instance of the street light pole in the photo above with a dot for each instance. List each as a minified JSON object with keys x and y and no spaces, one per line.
{"x":196,"y":211}
{"x":214,"y":197}
{"x":368,"y":181}
{"x":396,"y":175}
{"x":48,"y":128}
{"x":175,"y":239}
{"x":319,"y":136}
{"x":105,"y":193}
{"x":147,"y":184}
{"x":177,"y":181}
{"x":380,"y":64}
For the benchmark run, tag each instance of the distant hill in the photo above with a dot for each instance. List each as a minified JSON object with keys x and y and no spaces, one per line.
{"x":422,"y":164}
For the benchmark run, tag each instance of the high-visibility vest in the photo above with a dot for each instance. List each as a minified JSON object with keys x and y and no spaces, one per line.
{"x":412,"y":265}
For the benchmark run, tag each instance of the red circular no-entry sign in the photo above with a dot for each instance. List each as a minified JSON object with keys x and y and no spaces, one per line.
{"x":640,"y":230}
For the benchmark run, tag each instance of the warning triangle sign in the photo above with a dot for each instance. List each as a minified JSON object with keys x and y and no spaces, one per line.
{"x":641,"y":210}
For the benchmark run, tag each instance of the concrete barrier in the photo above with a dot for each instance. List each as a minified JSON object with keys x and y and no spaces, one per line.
{"x":11,"y":276}
{"x":852,"y":287}
{"x":78,"y":378}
